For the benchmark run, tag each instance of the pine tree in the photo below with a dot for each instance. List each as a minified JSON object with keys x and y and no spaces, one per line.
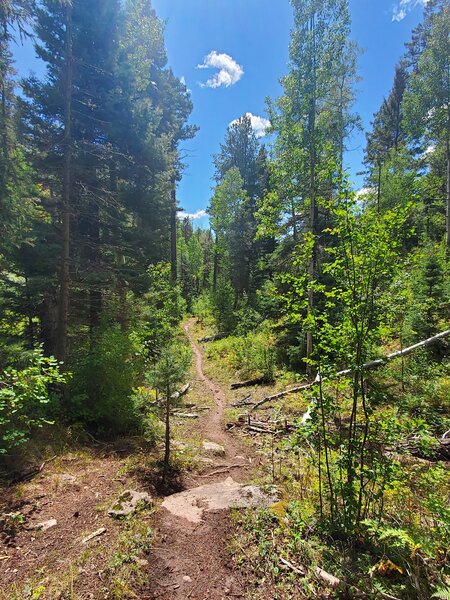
{"x":387,"y":128}
{"x":313,"y":119}
{"x":427,"y":100}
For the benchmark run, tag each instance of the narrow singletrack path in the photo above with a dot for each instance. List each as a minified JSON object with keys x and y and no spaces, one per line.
{"x":191,"y":560}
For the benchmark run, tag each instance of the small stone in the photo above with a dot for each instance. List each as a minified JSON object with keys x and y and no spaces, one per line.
{"x":187,"y":579}
{"x":213,"y":448}
{"x":128,"y":503}
{"x":45,"y":525}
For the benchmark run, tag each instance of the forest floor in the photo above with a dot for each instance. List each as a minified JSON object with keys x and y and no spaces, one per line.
{"x":156,"y":553}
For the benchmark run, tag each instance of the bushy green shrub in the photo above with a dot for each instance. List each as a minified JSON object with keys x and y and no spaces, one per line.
{"x":25,"y":396}
{"x":145,"y":405}
{"x":103,"y":383}
{"x":252,"y":355}
{"x":222,"y":300}
{"x":162,"y":309}
{"x":202,"y":308}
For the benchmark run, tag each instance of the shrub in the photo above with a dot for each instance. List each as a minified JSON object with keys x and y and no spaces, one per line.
{"x":104,"y":380}
{"x":24,"y":399}
{"x":250,"y":356}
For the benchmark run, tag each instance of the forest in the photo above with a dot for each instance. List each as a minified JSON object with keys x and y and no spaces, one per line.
{"x":296,"y":347}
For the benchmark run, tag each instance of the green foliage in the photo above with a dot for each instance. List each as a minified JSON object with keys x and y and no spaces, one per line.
{"x":223,"y":303}
{"x":442,"y":592}
{"x":144,"y":402}
{"x":169,"y":371}
{"x":171,"y":368}
{"x":163,"y":308}
{"x":24,"y":398}
{"x":250,"y":355}
{"x":104,"y":378}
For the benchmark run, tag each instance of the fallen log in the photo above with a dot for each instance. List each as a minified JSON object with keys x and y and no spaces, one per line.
{"x":184,"y":390}
{"x":250,"y":382}
{"x":373,"y":364}
{"x":212,"y":338}
{"x":245,"y":401}
{"x":185,"y":415}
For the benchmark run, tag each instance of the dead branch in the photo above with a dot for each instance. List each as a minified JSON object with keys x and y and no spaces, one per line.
{"x":250,"y":382}
{"x":373,"y":364}
{"x":212,"y":338}
{"x":331,"y":580}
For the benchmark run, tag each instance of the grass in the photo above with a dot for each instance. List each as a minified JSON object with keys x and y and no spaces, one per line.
{"x":407,"y":554}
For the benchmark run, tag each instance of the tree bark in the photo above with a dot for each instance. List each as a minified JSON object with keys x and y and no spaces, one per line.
{"x":312,"y":208}
{"x":63,"y":300}
{"x":167,"y":443}
{"x":448,"y":200}
{"x":173,"y":234}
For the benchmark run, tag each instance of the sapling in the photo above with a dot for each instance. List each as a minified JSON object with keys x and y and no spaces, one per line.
{"x":166,"y":374}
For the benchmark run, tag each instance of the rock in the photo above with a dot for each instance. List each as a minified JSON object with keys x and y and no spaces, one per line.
{"x":128,"y":503}
{"x":45,"y":525}
{"x":187,"y":579}
{"x":227,"y":494}
{"x":65,"y":478}
{"x":213,"y":448}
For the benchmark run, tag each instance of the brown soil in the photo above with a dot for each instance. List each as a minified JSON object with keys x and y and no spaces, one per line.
{"x":79,"y":507}
{"x":192,"y":560}
{"x":188,"y":560}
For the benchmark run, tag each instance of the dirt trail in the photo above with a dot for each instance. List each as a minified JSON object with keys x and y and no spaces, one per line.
{"x":191,"y":560}
{"x":212,"y":427}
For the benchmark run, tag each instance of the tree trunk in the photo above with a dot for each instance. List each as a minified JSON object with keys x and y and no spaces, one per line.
{"x":215,"y":266}
{"x":173,"y":234}
{"x":448,"y":200}
{"x":379,"y":187}
{"x":63,"y":300}
{"x":4,"y":124}
{"x":312,"y":209}
{"x":167,"y":443}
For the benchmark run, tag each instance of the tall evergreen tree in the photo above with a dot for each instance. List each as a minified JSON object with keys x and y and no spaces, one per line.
{"x":313,"y":119}
{"x":427,"y":100}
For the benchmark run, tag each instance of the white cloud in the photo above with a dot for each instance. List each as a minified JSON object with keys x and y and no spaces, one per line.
{"x":403,"y":7}
{"x":260,"y":125}
{"x":183,"y":80}
{"x":229,"y":71}
{"x":193,"y":216}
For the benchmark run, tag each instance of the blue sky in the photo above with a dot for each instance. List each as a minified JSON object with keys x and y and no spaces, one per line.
{"x":254,"y":34}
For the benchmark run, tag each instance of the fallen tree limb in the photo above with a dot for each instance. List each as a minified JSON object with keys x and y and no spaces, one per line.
{"x":331,"y":580}
{"x":373,"y":364}
{"x":212,"y":338}
{"x":245,"y":401}
{"x":184,"y":390}
{"x":185,"y":415}
{"x":250,"y":382}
